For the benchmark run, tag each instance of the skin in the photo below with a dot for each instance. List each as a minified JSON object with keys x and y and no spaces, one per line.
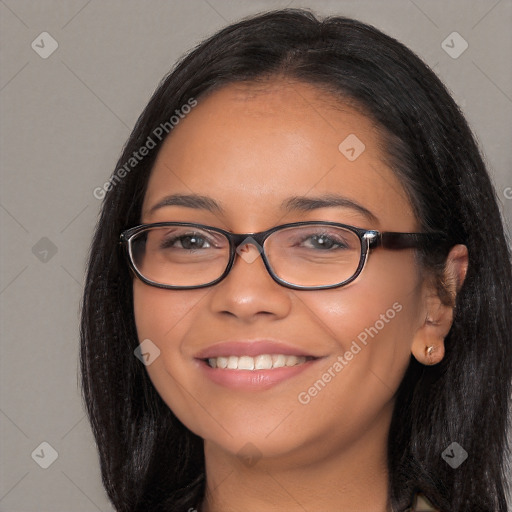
{"x":249,"y":147}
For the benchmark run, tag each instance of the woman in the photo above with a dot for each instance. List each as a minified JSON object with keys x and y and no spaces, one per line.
{"x":298,"y":292}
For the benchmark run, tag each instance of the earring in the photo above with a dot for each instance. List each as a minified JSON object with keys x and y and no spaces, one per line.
{"x":428,"y":354}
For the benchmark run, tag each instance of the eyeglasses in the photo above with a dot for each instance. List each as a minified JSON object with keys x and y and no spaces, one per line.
{"x":312,"y":255}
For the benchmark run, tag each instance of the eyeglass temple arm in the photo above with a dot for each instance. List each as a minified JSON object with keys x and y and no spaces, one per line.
{"x":391,"y":240}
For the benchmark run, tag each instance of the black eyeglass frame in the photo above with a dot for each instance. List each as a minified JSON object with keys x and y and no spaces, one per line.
{"x":370,"y":239}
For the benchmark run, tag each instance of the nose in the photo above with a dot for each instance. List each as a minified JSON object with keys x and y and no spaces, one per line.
{"x":248,"y":291}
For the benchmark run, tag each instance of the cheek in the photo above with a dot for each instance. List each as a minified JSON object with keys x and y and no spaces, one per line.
{"x":371,"y":325}
{"x":373,"y":320}
{"x":164,"y":317}
{"x":158,"y":312}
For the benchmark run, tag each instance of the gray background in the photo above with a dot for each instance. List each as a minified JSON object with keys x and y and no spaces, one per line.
{"x":64,"y":120}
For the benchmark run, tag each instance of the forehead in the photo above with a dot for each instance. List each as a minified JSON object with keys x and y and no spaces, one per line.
{"x":251,"y":146}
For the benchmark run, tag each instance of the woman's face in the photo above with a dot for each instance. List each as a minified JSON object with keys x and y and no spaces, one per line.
{"x":250,"y":149}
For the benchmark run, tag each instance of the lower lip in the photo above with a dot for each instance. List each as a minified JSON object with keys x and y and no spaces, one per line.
{"x":253,"y":380}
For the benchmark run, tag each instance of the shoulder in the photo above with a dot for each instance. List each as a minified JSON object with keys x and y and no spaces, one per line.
{"x":421,"y":504}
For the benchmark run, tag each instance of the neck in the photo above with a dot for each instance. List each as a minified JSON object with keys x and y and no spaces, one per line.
{"x":351,"y":477}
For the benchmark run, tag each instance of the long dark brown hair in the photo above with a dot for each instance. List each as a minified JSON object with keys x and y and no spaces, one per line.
{"x":149,"y":460}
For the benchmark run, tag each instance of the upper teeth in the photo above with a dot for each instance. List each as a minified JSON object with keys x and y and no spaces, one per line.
{"x":262,"y":362}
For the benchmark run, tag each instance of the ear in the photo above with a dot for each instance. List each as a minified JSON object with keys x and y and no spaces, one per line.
{"x":428,"y":342}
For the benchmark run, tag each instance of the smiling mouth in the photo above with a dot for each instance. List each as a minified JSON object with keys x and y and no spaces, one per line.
{"x":261,"y":362}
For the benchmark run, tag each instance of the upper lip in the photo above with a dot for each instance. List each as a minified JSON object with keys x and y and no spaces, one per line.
{"x":251,"y":348}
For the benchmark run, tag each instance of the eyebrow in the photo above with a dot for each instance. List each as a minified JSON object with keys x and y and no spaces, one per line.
{"x":188,"y":200}
{"x":292,"y":204}
{"x":306,"y":204}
